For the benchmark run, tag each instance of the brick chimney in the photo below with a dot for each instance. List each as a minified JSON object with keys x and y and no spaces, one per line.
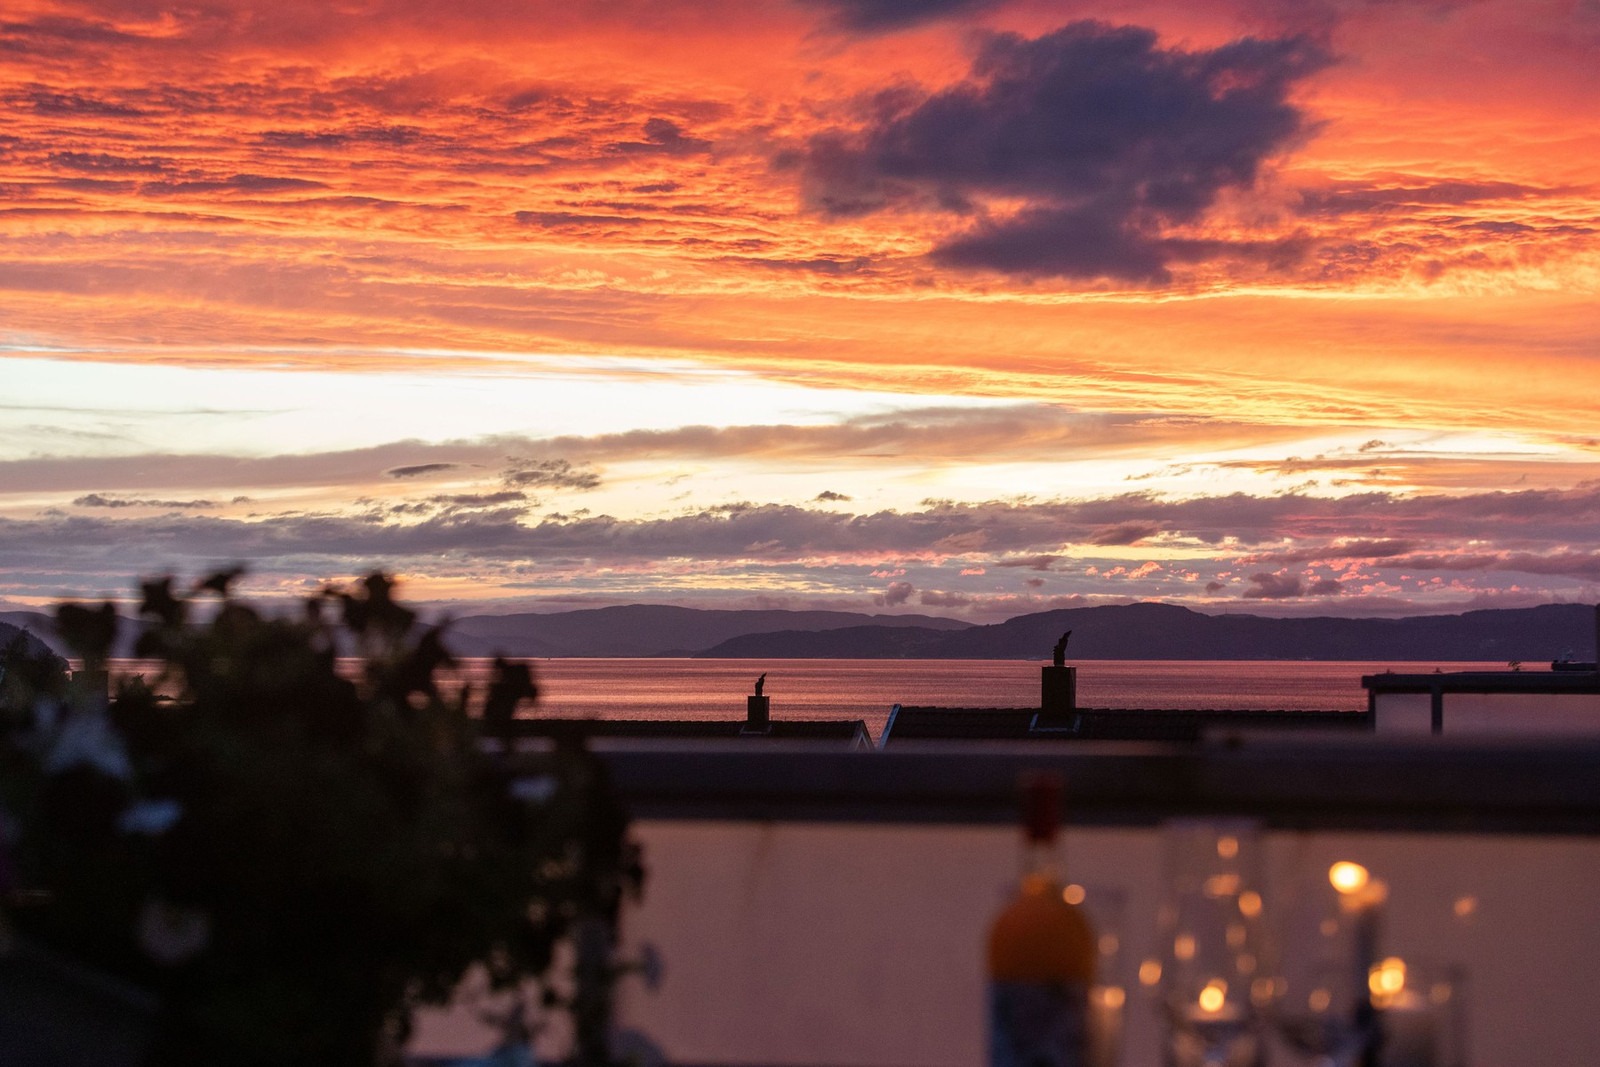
{"x":1058,"y":690}
{"x":757,"y":711}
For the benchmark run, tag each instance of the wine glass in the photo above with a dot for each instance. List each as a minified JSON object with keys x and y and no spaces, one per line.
{"x":1326,"y":945}
{"x":1106,"y":907}
{"x":1210,"y":955}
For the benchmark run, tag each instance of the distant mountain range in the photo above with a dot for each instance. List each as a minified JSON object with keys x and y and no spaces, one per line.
{"x":1165,"y":631}
{"x":8,"y":633}
{"x":1131,"y":631}
{"x":655,"y":629}
{"x":632,"y":630}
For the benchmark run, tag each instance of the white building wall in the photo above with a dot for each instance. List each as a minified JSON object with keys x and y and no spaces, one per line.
{"x":1536,"y":714}
{"x":1403,"y":713}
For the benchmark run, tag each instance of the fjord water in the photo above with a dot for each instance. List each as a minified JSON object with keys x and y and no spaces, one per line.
{"x":866,"y":689}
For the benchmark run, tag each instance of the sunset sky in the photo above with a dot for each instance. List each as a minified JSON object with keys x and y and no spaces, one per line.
{"x":960,"y":307}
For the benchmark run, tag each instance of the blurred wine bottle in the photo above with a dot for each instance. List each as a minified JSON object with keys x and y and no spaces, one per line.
{"x":1041,"y":952}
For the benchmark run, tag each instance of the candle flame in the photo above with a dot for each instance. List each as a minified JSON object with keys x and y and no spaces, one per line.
{"x":1387,"y":979}
{"x":1348,"y":877}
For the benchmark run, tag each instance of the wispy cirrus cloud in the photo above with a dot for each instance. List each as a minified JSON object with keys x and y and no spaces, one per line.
{"x":1010,"y":431}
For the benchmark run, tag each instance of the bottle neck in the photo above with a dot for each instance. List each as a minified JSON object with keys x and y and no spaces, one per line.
{"x":1041,"y":862}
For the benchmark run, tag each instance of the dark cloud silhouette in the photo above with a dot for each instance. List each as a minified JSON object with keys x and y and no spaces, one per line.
{"x":557,"y":219}
{"x":1032,"y":563}
{"x":1105,"y":137}
{"x":237,"y":183}
{"x":1346,"y":549}
{"x":1125,"y":533}
{"x":819,"y":265}
{"x":417,"y":470}
{"x":50,"y":33}
{"x":1323,"y":16}
{"x":548,"y":474}
{"x":104,"y":163}
{"x":46,"y":102}
{"x":1347,"y":197}
{"x":479,"y":500}
{"x":873,"y":16}
{"x":830,"y":495}
{"x":1215,"y":587}
{"x":663,"y":137}
{"x":97,"y":500}
{"x":1265,"y":585}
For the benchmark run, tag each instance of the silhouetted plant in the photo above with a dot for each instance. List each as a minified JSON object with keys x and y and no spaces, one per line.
{"x":292,"y":858}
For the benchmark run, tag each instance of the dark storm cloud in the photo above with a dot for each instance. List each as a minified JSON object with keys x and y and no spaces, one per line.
{"x":872,"y":16}
{"x":1105,"y":137}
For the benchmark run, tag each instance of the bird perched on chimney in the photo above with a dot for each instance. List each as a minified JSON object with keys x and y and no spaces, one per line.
{"x":1060,"y":659}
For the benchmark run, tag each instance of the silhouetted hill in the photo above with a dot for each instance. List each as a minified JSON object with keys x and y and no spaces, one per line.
{"x":10,"y":629}
{"x":653,"y":629}
{"x":627,"y":630}
{"x":1165,"y":631}
{"x":43,"y":627}
{"x":1129,"y":631}
{"x":850,"y":642}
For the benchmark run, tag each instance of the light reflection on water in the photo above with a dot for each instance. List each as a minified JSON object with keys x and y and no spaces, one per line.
{"x":865,"y":689}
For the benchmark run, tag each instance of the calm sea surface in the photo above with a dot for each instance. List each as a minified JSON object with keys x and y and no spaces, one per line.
{"x":866,"y":689}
